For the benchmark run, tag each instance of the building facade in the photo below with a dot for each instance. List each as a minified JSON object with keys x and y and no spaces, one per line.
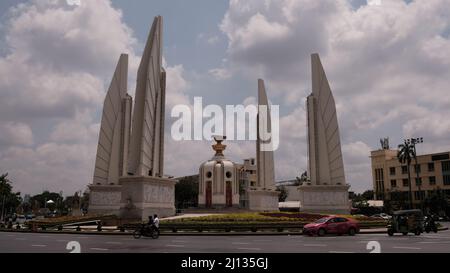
{"x":390,"y":177}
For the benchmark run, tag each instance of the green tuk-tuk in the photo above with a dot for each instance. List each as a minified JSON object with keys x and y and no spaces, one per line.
{"x":406,"y":221}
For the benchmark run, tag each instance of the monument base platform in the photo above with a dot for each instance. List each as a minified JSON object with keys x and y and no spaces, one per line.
{"x":105,"y":199}
{"x":330,"y":199}
{"x":262,"y":200}
{"x":135,"y":198}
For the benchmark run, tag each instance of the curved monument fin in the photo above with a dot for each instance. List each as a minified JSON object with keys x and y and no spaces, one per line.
{"x":264,"y":156}
{"x":324,"y":148}
{"x":147,"y":138}
{"x":109,"y":163}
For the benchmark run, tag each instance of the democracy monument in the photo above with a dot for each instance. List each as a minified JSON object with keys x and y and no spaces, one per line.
{"x":129,"y":176}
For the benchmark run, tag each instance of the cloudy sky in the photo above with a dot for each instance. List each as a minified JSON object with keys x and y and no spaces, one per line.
{"x":388,"y":66}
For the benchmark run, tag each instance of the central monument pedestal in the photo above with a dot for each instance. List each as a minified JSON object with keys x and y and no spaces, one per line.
{"x":262,"y":200}
{"x":324,"y":199}
{"x":145,"y":196}
{"x":135,"y":198}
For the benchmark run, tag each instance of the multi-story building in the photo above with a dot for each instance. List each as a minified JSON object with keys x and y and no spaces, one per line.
{"x":390,"y":177}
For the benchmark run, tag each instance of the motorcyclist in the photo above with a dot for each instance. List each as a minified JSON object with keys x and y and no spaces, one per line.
{"x":150,"y":224}
{"x":156,"y":222}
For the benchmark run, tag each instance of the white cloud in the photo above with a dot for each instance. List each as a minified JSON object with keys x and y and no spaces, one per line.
{"x":388,"y":67}
{"x":58,"y":64}
{"x":213,"y":40}
{"x":14,"y":133}
{"x":177,"y":86}
{"x":220,"y":73}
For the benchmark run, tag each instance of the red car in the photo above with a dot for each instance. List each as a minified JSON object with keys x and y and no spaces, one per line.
{"x":332,"y":225}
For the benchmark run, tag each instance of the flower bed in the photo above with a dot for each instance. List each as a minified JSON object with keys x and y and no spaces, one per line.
{"x":64,"y":220}
{"x":261,"y":220}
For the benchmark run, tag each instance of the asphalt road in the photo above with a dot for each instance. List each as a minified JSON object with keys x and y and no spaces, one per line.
{"x":58,"y":243}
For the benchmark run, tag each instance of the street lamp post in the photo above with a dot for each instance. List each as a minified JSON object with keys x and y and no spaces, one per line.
{"x":413,"y":142}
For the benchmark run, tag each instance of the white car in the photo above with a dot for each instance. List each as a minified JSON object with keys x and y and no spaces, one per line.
{"x":382,"y":215}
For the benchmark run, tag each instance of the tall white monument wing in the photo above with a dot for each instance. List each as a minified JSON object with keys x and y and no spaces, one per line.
{"x":147,"y":138}
{"x":112,"y":148}
{"x":324,"y":147}
{"x":264,"y":156}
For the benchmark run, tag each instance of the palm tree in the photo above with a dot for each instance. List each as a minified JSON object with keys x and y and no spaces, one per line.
{"x":406,"y":153}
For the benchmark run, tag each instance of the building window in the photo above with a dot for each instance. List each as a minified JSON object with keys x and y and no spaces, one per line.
{"x":405,"y":183}
{"x":379,"y":184}
{"x":209,"y":174}
{"x":432,"y":180}
{"x":404,"y":169}
{"x":229,"y":174}
{"x":419,"y":195}
{"x":393,"y":183}
{"x":419,"y":181}
{"x":446,"y":180}
{"x":392,"y":170}
{"x":431,"y":167}
{"x":445,"y":166}
{"x":417,"y":168}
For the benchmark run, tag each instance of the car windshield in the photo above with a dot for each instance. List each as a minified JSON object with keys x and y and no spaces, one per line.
{"x":321,"y":220}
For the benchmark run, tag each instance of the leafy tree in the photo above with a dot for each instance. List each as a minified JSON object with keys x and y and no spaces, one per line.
{"x":436,"y":203}
{"x":9,"y":201}
{"x":283,"y":193}
{"x":406,"y":153}
{"x":186,"y":192}
{"x":40,"y":200}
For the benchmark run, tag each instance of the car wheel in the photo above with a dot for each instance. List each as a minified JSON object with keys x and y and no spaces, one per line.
{"x":405,"y":233}
{"x":321,"y":232}
{"x":351,"y":232}
{"x":390,"y":232}
{"x":417,"y":232}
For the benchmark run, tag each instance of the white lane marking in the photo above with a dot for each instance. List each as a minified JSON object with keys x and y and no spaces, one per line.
{"x":39,"y":245}
{"x":249,"y":248}
{"x":113,"y":243}
{"x":407,"y":247}
{"x":99,"y":249}
{"x":340,"y":251}
{"x":179,"y":241}
{"x":82,"y":237}
{"x":314,"y":245}
{"x":11,"y":235}
{"x":175,"y":246}
{"x":262,"y":240}
{"x":239,"y":243}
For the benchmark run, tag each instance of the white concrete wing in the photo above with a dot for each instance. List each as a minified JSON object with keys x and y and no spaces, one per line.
{"x":326,"y":166}
{"x":147,"y":138}
{"x":115,"y":127}
{"x":264,"y":157}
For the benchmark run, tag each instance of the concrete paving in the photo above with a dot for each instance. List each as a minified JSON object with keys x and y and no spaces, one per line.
{"x":362,"y":243}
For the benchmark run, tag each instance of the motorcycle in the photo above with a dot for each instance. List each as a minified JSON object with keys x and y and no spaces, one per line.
{"x":430,"y":225}
{"x":146,"y":231}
